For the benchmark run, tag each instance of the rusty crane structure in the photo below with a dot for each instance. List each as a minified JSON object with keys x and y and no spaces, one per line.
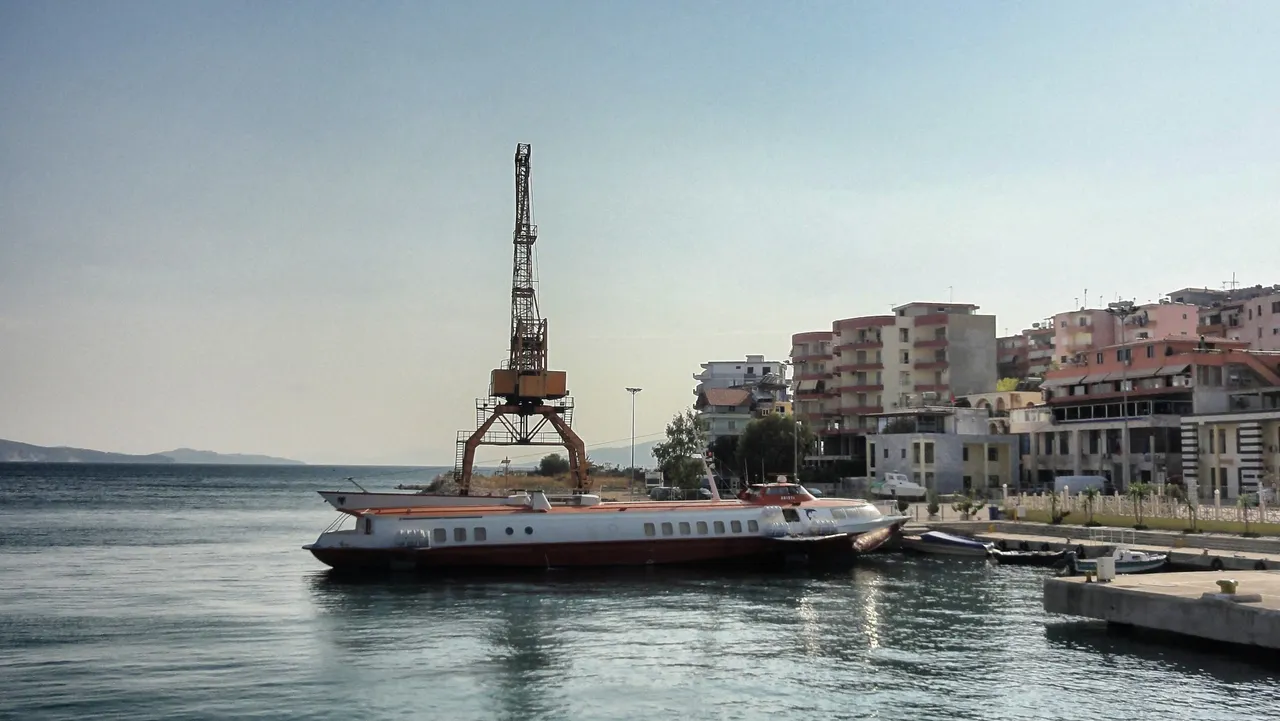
{"x":527,"y":404}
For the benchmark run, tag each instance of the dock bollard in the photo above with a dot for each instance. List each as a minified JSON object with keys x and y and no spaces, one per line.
{"x":1228,"y":585}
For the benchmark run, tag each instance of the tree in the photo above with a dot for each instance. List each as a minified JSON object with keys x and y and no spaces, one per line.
{"x":553,"y":464}
{"x":679,"y":456}
{"x":768,"y":445}
{"x":1138,"y":493}
{"x":1090,"y":501}
{"x":725,"y":452}
{"x":1006,"y":384}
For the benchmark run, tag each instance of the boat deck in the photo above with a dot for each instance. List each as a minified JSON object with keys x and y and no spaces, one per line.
{"x":613,"y":507}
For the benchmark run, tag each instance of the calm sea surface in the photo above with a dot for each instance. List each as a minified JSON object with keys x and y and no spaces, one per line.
{"x":181,"y":592}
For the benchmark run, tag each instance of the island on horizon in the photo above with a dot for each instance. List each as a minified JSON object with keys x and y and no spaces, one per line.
{"x":15,"y":452}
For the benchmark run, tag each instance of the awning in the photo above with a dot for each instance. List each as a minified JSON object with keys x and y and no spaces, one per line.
{"x":806,"y":386}
{"x":1063,"y":381}
{"x":1094,"y":378}
{"x":1173,"y":370}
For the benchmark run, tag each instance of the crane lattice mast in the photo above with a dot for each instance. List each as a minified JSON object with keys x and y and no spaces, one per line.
{"x":524,"y":397}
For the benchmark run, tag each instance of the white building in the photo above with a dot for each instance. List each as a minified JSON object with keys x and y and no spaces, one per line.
{"x":739,"y":374}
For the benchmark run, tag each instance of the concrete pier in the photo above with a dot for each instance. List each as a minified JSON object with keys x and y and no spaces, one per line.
{"x":1173,"y":602}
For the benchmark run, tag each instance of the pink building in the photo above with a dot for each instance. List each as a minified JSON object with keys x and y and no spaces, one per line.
{"x":1081,"y":331}
{"x":1255,"y":321}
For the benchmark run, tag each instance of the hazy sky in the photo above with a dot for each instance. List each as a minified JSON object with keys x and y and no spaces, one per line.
{"x":285,"y":227}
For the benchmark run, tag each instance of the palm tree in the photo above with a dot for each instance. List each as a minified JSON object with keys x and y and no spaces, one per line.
{"x":1138,"y":492}
{"x":1090,"y":498}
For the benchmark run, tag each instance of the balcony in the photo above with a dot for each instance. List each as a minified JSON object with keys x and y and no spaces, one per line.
{"x":859,"y":345}
{"x":862,"y":410}
{"x":931,"y":343}
{"x":858,"y":367}
{"x":811,"y":395}
{"x":935,"y":387}
{"x":865,"y":388}
{"x":931,"y":365}
{"x":931,"y":319}
{"x":810,"y":356}
{"x":813,"y":376}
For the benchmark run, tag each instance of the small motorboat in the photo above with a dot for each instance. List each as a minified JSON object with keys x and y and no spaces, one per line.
{"x":1127,"y":561}
{"x":1028,"y":558}
{"x":945,"y":544}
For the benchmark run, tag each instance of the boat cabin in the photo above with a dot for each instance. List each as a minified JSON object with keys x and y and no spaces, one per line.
{"x":776,"y":494}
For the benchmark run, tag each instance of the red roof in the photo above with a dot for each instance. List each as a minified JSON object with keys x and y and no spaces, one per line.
{"x":725,"y":396}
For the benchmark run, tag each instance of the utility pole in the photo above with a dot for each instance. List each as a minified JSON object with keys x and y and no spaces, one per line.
{"x":633,"y":392}
{"x":1123,"y":309}
{"x":795,"y":452}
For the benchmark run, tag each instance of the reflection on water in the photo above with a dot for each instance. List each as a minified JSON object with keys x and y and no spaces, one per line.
{"x":160,"y":598}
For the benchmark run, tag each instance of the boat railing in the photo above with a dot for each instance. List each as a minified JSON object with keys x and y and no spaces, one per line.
{"x":1113,"y":536}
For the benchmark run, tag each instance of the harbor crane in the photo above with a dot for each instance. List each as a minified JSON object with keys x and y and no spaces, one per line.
{"x":528,"y":405}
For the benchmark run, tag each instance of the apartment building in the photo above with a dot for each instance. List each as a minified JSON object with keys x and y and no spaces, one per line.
{"x":923,"y":353}
{"x":732,"y":393}
{"x":1028,"y":354}
{"x":1148,"y":385}
{"x":739,"y":373}
{"x":1255,"y":321}
{"x":1233,"y":453}
{"x":1082,"y":331}
{"x":945,"y":449}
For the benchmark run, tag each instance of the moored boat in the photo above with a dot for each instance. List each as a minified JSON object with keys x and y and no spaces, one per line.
{"x":530,"y":531}
{"x":1127,"y":561}
{"x":937,"y":542}
{"x":1027,"y":558}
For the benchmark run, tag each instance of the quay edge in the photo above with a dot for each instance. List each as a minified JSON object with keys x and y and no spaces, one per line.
{"x":1173,"y":603}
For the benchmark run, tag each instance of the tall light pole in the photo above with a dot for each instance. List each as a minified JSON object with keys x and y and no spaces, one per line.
{"x":633,"y":392}
{"x":1122,"y":310}
{"x":795,"y":452}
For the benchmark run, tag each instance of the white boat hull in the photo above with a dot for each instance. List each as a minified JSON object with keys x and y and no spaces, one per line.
{"x":942,"y":549}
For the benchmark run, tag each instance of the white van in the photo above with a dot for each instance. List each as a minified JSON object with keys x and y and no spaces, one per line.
{"x":897,"y":485}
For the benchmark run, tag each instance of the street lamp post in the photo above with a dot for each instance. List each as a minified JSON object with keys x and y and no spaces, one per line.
{"x":633,"y":392}
{"x":795,"y":452}
{"x":1122,"y":310}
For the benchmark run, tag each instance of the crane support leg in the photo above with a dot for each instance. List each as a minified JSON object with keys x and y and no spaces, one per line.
{"x":520,"y":434}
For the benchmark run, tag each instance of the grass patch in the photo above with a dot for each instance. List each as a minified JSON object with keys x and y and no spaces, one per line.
{"x":1164,"y":524}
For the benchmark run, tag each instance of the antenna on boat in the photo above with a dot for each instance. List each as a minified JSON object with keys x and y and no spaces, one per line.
{"x":357,"y":485}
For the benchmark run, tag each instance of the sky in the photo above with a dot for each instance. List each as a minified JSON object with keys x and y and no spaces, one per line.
{"x":285,"y":227}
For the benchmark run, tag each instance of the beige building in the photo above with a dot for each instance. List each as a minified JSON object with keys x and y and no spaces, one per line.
{"x":925,"y":353}
{"x":1233,"y":453}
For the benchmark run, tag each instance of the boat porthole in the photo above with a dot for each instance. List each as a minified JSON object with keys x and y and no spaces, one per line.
{"x":1260,"y":565}
{"x":528,"y":530}
{"x":1216,"y":564}
{"x":510,"y":530}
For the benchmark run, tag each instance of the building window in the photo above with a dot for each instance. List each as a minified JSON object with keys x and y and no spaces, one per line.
{"x":668,"y":529}
{"x":928,"y":453}
{"x":684,"y":528}
{"x":1093,"y":441}
{"x":993,"y":453}
{"x":650,"y":529}
{"x":439,"y":535}
{"x":1064,"y":443}
{"x":753,"y":527}
{"x":886,"y":454}
{"x":1151,"y":351}
{"x":479,"y":534}
{"x":906,"y":356}
{"x":904,"y":454}
{"x":1210,"y":449}
{"x":928,"y":480}
{"x":1099,"y":358}
{"x":1275,"y":306}
{"x":735,"y":526}
{"x":719,"y":527}
{"x":1222,"y":440}
{"x":915,"y":453}
{"x":904,"y":335}
{"x":964,"y":454}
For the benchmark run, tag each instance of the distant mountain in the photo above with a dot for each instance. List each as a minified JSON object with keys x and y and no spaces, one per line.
{"x":189,"y":455}
{"x":621,"y":455}
{"x":14,"y":452}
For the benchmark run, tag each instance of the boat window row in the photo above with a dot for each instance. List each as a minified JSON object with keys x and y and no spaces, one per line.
{"x":479,"y":534}
{"x":703,"y":529}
